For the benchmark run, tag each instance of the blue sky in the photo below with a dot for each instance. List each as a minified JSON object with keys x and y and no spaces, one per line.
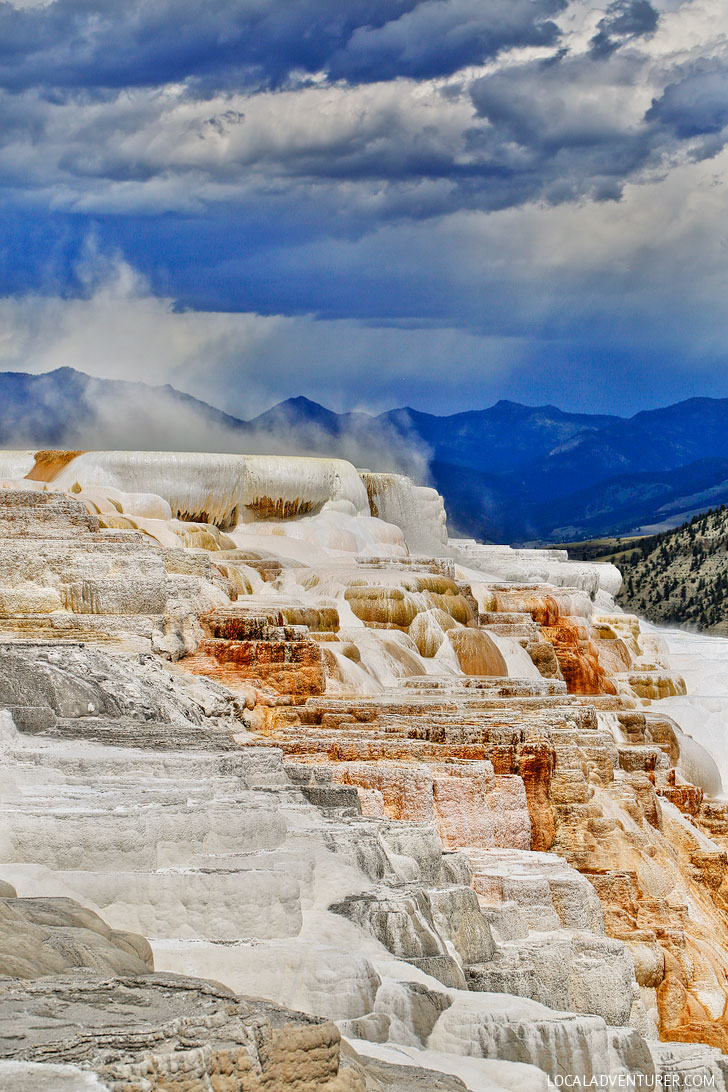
{"x":428,"y":202}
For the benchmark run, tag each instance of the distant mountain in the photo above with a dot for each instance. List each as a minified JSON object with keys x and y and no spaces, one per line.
{"x":631,"y":502}
{"x":651,"y":441}
{"x":510,"y":473}
{"x":501,"y":439}
{"x":541,"y":474}
{"x":68,"y":408}
{"x":478,"y":505}
{"x":302,"y":414}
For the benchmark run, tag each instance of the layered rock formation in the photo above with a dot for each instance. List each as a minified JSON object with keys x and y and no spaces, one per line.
{"x":430,"y":798}
{"x":175,"y":1033}
{"x":52,"y":936}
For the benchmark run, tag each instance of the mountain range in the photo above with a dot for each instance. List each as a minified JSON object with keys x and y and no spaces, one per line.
{"x":510,"y":472}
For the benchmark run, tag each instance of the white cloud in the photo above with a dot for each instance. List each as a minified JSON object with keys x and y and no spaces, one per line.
{"x":161,"y":148}
{"x":122,"y":331}
{"x":239,"y":362}
{"x":365,"y":208}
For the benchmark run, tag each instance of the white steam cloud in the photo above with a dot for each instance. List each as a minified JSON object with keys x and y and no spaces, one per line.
{"x":126,"y":339}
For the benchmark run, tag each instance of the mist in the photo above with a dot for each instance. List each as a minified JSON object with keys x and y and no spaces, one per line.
{"x":67,"y":409}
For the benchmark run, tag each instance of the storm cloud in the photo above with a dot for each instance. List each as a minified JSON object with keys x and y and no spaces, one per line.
{"x":532,"y":186}
{"x":623,"y":21}
{"x":258,"y":43}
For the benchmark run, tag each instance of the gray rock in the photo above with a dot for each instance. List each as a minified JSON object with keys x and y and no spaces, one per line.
{"x":402,"y":922}
{"x":170,"y":1032}
{"x":36,"y":1077}
{"x":408,"y":1078}
{"x":53,"y":936}
{"x":76,"y":691}
{"x":416,"y":1005}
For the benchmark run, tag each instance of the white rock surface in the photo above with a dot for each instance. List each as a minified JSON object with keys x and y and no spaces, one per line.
{"x":538,"y":567}
{"x":15,"y":464}
{"x":34,"y":1077}
{"x":417,"y":510}
{"x":220,"y":489}
{"x":702,"y":713}
{"x":138,"y":803}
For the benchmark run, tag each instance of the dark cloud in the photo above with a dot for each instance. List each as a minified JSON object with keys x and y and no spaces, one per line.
{"x":193,"y":140}
{"x":558,"y":129}
{"x":437,"y":38}
{"x":694,"y":106}
{"x":258,"y":43}
{"x":566,"y":129}
{"x":624,"y":21}
{"x":557,"y":133}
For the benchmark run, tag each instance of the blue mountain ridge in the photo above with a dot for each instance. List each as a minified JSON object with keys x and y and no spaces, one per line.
{"x":509,"y":472}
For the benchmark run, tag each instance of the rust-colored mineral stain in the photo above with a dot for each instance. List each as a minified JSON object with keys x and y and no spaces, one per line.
{"x":243,"y":649}
{"x":278,"y":508}
{"x":578,"y":658}
{"x":536,"y":762}
{"x":477,"y":653}
{"x":371,"y":484}
{"x":50,"y":463}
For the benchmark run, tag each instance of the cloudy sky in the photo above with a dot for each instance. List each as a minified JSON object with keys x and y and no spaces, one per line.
{"x":371,"y":202}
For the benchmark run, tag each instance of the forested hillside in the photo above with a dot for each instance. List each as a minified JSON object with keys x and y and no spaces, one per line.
{"x":678,"y":576}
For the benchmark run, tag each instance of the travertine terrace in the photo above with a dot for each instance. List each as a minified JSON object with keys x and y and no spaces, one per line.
{"x":264,"y":724}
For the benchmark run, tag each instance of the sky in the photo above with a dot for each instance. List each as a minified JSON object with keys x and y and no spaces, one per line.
{"x":376,"y":203}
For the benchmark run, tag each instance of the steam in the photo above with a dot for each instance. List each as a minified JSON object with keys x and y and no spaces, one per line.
{"x":141,"y":418}
{"x":119,"y":335}
{"x":363,"y":441}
